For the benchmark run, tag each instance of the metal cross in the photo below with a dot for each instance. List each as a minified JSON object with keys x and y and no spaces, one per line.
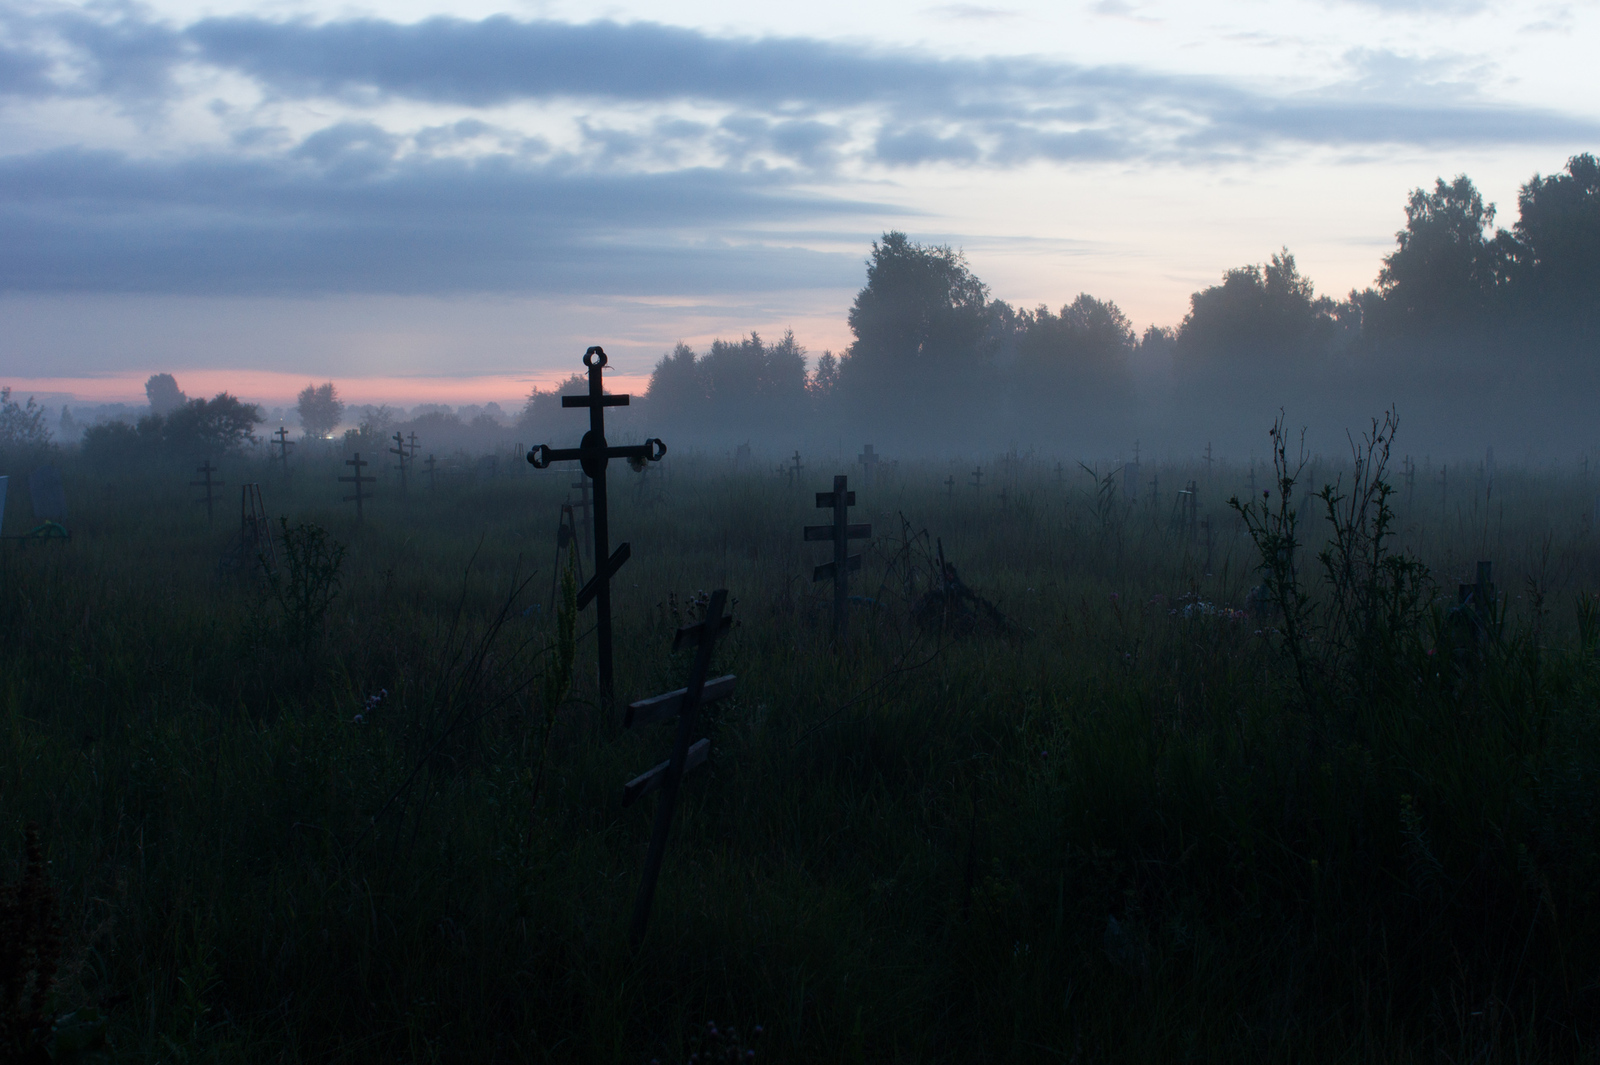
{"x":840,"y":500}
{"x":594,"y":454}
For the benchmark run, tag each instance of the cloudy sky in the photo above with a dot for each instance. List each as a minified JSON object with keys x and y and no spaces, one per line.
{"x":423,"y":203}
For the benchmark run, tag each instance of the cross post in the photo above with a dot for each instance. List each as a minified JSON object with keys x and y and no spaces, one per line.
{"x":1208,"y":462}
{"x":684,"y":704}
{"x":401,"y":452}
{"x":950,"y":487}
{"x":413,"y":446}
{"x":794,"y":470}
{"x":429,"y":467}
{"x":283,"y":444}
{"x":358,"y":480}
{"x":840,"y":531}
{"x":208,"y":484}
{"x":593,"y":453}
{"x":977,"y":480}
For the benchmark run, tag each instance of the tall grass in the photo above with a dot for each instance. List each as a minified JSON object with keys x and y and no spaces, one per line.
{"x":1110,"y":829}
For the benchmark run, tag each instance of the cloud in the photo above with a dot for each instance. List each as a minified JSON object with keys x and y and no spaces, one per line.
{"x":345,"y":212}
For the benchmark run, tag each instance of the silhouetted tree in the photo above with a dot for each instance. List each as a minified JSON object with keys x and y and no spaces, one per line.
{"x":213,"y":426}
{"x":22,"y":425}
{"x":1450,"y":267}
{"x":164,"y":394}
{"x":1257,"y":317}
{"x":1558,"y":229}
{"x":320,"y":409}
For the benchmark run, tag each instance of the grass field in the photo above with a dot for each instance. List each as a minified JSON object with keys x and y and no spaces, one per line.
{"x":1113,"y":820}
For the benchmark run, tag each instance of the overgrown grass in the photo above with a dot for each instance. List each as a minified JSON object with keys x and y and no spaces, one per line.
{"x":1109,"y":830}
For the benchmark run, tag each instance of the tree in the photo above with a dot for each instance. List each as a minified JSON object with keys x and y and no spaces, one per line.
{"x":1451,"y":264}
{"x":1558,"y":228}
{"x":1258,"y":317}
{"x":210,"y":426}
{"x":826,"y":376}
{"x":320,"y":409}
{"x":164,"y":394}
{"x":920,"y":312}
{"x":1088,"y":341}
{"x":21,"y":425}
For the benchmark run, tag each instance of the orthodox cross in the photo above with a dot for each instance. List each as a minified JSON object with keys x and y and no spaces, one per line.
{"x":684,"y":704}
{"x":977,"y":480}
{"x":208,"y":484}
{"x":840,"y":532}
{"x":358,"y":480}
{"x":594,"y":454}
{"x":869,"y":462}
{"x":400,"y":450}
{"x":1208,"y":460}
{"x":794,"y":470}
{"x":283,"y":444}
{"x":429,"y":467}
{"x":411,"y":443}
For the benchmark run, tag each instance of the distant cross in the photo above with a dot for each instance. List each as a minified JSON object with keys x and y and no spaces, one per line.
{"x":429,"y":467}
{"x":358,"y":480}
{"x":1208,"y":460}
{"x":869,"y":463}
{"x":977,"y":480}
{"x":594,"y":453}
{"x":1136,"y":452}
{"x":684,"y":704}
{"x":404,"y":455}
{"x":208,"y":484}
{"x":840,"y":500}
{"x":1155,"y":492}
{"x":1003,"y":496}
{"x":283,"y":444}
{"x":414,"y":447}
{"x":950,"y":487}
{"x":795,"y":468}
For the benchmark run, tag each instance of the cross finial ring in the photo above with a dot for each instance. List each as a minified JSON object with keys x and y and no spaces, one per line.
{"x":595,"y":356}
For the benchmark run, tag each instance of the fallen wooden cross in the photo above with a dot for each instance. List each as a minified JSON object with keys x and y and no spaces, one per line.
{"x":840,"y":532}
{"x":684,"y":704}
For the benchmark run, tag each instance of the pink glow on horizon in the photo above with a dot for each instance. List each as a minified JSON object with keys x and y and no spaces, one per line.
{"x":280,"y":389}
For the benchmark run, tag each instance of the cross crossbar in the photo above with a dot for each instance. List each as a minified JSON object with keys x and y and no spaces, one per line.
{"x":826,"y":500}
{"x":591,"y":587}
{"x":660,"y":708}
{"x":829,"y":569}
{"x":653,"y":778}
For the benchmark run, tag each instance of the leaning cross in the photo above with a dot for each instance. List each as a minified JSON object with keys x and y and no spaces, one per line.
{"x":283,"y":444}
{"x":208,"y":484}
{"x":839,"y":532}
{"x":358,"y":480}
{"x":593,"y":453}
{"x":684,"y":704}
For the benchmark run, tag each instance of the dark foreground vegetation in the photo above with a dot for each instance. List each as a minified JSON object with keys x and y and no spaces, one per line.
{"x":1131,"y":813}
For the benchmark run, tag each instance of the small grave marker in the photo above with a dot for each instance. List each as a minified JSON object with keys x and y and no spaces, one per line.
{"x":282,"y":442}
{"x":869,"y":463}
{"x":977,"y":480}
{"x":358,"y":480}
{"x":429,"y":465}
{"x":414,"y":447}
{"x":684,"y":704}
{"x":208,"y":484}
{"x":1208,"y":462}
{"x":594,"y":454}
{"x":794,"y":468}
{"x":840,"y":500}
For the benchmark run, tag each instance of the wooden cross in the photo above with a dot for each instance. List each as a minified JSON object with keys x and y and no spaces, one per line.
{"x":283,"y":444}
{"x":869,"y":463}
{"x":684,"y":704}
{"x":208,"y":484}
{"x":411,"y":443}
{"x":566,"y":532}
{"x":594,"y":454}
{"x":950,"y":487}
{"x":840,"y":500}
{"x":404,"y":455}
{"x":1208,"y":460}
{"x":429,"y":467}
{"x":1003,"y":496}
{"x":794,"y":470}
{"x":1155,"y":491}
{"x":977,"y":480}
{"x":1188,"y":502}
{"x":358,"y":480}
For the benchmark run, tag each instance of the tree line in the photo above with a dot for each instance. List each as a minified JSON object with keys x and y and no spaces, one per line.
{"x":1465,"y":322}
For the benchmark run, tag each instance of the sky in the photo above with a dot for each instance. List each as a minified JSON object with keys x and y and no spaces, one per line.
{"x":448,"y":204}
